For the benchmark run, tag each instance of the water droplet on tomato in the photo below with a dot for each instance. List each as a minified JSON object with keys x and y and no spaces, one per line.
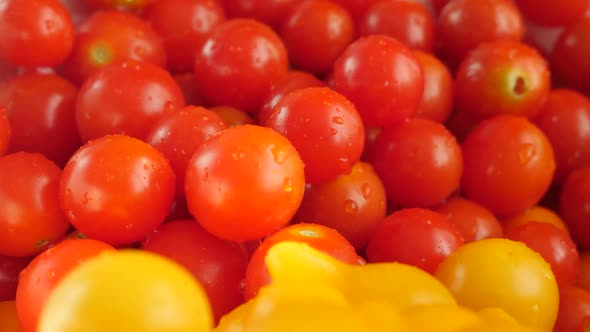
{"x":146,"y":167}
{"x":238,"y":155}
{"x":205,"y":174}
{"x":333,"y":131}
{"x":338,"y":120}
{"x":279,"y":155}
{"x":85,"y":198}
{"x":51,"y":274}
{"x":288,"y":185}
{"x":526,"y":152}
{"x":350,"y":206}
{"x":128,"y":227}
{"x":71,"y":215}
{"x":366,"y":190}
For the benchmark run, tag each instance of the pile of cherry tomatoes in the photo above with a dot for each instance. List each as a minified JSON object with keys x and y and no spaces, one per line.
{"x":152,"y":152}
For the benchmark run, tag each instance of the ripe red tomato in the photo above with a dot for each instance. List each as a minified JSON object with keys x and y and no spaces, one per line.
{"x":508,"y":164}
{"x":437,"y":99}
{"x":584,"y":271}
{"x":324,"y":127}
{"x":126,"y":98}
{"x":473,"y":220}
{"x":418,"y":237}
{"x":271,"y":12}
{"x":128,"y":5}
{"x":238,"y":64}
{"x":534,"y":214}
{"x":244,"y":183}
{"x":382,"y":78}
{"x":30,"y":217}
{"x":352,"y":204}
{"x":184,"y":26}
{"x":569,"y":60}
{"x":5,"y":131}
{"x":464,"y":24}
{"x":410,"y":22}
{"x":357,"y":8}
{"x":574,"y":310}
{"x":502,"y":77}
{"x":117,"y":189}
{"x":219,"y":265}
{"x":233,"y":116}
{"x":35,"y":33}
{"x":419,"y":162}
{"x":109,"y":37}
{"x":319,"y":237}
{"x":10,"y":268}
{"x":39,"y":278}
{"x":41,"y":111}
{"x":552,"y":12}
{"x":316,"y":33}
{"x":573,"y":205}
{"x":178,"y":135}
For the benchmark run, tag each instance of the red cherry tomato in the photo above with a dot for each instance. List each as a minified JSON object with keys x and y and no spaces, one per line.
{"x":128,"y":5}
{"x":244,"y":183}
{"x":30,"y":217}
{"x":238,"y":64}
{"x":109,"y":37}
{"x":382,"y":78}
{"x":508,"y":164}
{"x":564,"y":119}
{"x":574,"y":310}
{"x":35,"y":33}
{"x":319,"y":237}
{"x":357,"y":8}
{"x":41,"y":111}
{"x":437,"y":99}
{"x":569,"y":60}
{"x":584,"y":271}
{"x":407,"y":21}
{"x":316,"y":33}
{"x":5,"y":131}
{"x":117,"y":189}
{"x":573,"y":205}
{"x":324,"y":127}
{"x":219,"y":265}
{"x":10,"y":268}
{"x":41,"y":276}
{"x":552,"y":12}
{"x":126,"y":98}
{"x":271,"y":12}
{"x":473,"y":220}
{"x":419,"y":162}
{"x":179,"y":134}
{"x":534,"y":214}
{"x":233,"y":116}
{"x":418,"y":237}
{"x":184,"y":26}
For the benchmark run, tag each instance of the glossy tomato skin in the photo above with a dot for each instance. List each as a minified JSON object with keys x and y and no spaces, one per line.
{"x":536,"y":213}
{"x":5,"y":131}
{"x":584,"y":271}
{"x":10,"y":268}
{"x":179,"y":134}
{"x":127,"y":5}
{"x":381,"y":77}
{"x":464,"y":24}
{"x":419,"y":162}
{"x":574,"y":310}
{"x":117,"y":189}
{"x":353,"y":204}
{"x":126,"y":98}
{"x":508,"y":164}
{"x":184,"y":26}
{"x":39,"y":278}
{"x":271,"y":12}
{"x":418,"y":237}
{"x":437,"y":100}
{"x":238,"y":64}
{"x":33,"y":221}
{"x":319,"y":237}
{"x":30,"y":26}
{"x":109,"y":37}
{"x":473,"y":220}
{"x":573,"y":203}
{"x":41,"y":111}
{"x":244,"y":183}
{"x":324,"y":127}
{"x":219,"y":265}
{"x":502,"y":77}
{"x":553,"y":13}
{"x":409,"y":22}
{"x":232,"y":116}
{"x":315,"y":33}
{"x":357,"y":8}
{"x":570,"y":54}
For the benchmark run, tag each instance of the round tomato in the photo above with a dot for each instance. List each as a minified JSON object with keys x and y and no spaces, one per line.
{"x":271,"y":12}
{"x":574,"y":310}
{"x":473,"y":220}
{"x":357,"y":8}
{"x":536,"y":213}
{"x":10,"y":268}
{"x":5,"y":131}
{"x":573,"y":205}
{"x":129,"y":5}
{"x":551,"y":12}
{"x":233,"y":116}
{"x":437,"y":99}
{"x":570,"y":54}
{"x":584,"y":271}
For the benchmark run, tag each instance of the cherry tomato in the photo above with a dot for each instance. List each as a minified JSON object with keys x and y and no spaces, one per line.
{"x":464,"y":24}
{"x":574,"y":310}
{"x":109,"y":37}
{"x":584,"y":271}
{"x":554,"y":245}
{"x":5,"y":131}
{"x":573,"y":205}
{"x":238,"y":63}
{"x":184,"y":25}
{"x":536,"y":213}
{"x":319,"y":237}
{"x":10,"y":268}
{"x":35,"y":33}
{"x":508,"y":164}
{"x":502,"y":77}
{"x":233,"y":116}
{"x":117,"y":189}
{"x":551,"y":12}
{"x":353,"y":204}
{"x":178,"y":135}
{"x":126,"y":98}
{"x":357,"y":8}
{"x":8,"y":318}
{"x":437,"y":99}
{"x":30,"y":217}
{"x":316,"y":33}
{"x":419,"y":162}
{"x":473,"y":220}
{"x":124,"y":5}
{"x":382,"y":78}
{"x":44,"y":272}
{"x":244,"y":183}
{"x":324,"y":127}
{"x":570,"y":54}
{"x":407,"y":21}
{"x":271,"y":12}
{"x":219,"y":265}
{"x":41,"y":111}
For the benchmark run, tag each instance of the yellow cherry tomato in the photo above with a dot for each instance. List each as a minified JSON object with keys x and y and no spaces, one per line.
{"x":505,"y":274}
{"x":8,"y":319}
{"x":127,"y":290}
{"x":441,"y":318}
